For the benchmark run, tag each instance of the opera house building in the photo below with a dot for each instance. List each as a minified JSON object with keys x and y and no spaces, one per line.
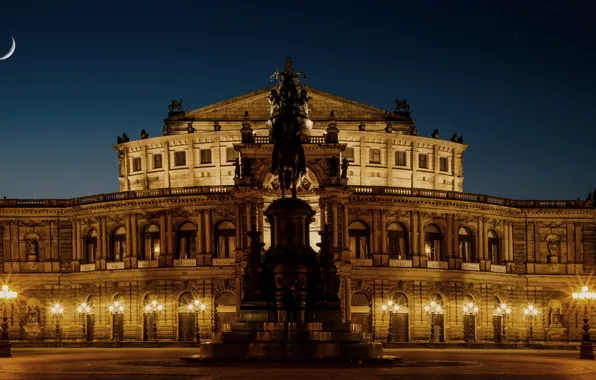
{"x":413,"y":250}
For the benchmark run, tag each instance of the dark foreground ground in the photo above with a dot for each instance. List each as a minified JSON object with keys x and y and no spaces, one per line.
{"x":163,"y":363}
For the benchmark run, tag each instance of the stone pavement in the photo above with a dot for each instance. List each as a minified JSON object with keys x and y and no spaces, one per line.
{"x":163,"y":363}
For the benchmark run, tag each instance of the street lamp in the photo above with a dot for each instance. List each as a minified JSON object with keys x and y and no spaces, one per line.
{"x":84,"y":309}
{"x":57,"y":310}
{"x":433,"y":308}
{"x":197,"y":307}
{"x":6,"y":296}
{"x":530,"y":312}
{"x":153,"y":308}
{"x":470,"y":311}
{"x":117,"y":311}
{"x":586,"y":350}
{"x":503,"y":310}
{"x":390,"y":307}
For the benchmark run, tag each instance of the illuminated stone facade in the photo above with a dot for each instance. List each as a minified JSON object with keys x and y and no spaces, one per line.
{"x":403,"y":229}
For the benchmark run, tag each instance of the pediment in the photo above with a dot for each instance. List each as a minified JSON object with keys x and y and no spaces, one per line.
{"x":320,"y":104}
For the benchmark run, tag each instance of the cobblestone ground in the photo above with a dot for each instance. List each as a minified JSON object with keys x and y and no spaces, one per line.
{"x":163,"y":363}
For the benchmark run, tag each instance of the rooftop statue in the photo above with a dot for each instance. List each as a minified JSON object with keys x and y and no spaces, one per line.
{"x":176,"y":106}
{"x":289,"y":125}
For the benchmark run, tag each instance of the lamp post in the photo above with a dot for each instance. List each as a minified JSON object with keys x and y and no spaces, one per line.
{"x":390,"y":307}
{"x":197,"y":307}
{"x":433,"y":308}
{"x":57,"y":310}
{"x":153,"y":308}
{"x":84,"y":309}
{"x":117,"y":311}
{"x":470,"y":311}
{"x":6,"y":296}
{"x":503,"y":310}
{"x":530,"y":312}
{"x":586,"y":350}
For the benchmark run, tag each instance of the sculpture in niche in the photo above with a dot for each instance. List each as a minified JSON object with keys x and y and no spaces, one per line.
{"x":32,"y":250}
{"x":344,"y":168}
{"x":553,"y":245}
{"x":32,"y":315}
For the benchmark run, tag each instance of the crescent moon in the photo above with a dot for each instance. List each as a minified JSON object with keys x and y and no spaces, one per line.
{"x":12,"y":48}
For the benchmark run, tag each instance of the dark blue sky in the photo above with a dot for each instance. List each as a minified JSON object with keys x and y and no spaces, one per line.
{"x":515,"y":78}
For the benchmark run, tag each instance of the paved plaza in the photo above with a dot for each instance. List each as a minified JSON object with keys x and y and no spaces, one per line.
{"x":163,"y":363}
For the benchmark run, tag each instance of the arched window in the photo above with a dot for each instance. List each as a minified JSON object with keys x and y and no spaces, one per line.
{"x":226,"y":310}
{"x":493,"y":248}
{"x":225,"y":239}
{"x":466,"y":246}
{"x":118,"y":248}
{"x":397,"y":242}
{"x":90,"y":247}
{"x":184,"y":300}
{"x":186,"y":238}
{"x":433,"y":243}
{"x":361,"y":311}
{"x":359,"y":237}
{"x":151,"y":244}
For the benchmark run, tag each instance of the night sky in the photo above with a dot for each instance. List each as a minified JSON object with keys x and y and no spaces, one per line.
{"x":515,"y":78}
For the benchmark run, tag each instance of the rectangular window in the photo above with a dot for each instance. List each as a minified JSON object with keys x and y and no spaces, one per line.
{"x":136,"y":164}
{"x":423,"y":161}
{"x":349,"y":154}
{"x":375,"y":156}
{"x":443,"y":164}
{"x":205,"y":156}
{"x":157,"y":163}
{"x":230,"y":154}
{"x":400,"y":158}
{"x":179,"y":158}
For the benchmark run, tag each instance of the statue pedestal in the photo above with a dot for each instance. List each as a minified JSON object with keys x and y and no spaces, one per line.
{"x":32,"y":331}
{"x":380,"y":260}
{"x":5,"y":349}
{"x":419,"y":261}
{"x":557,"y":333}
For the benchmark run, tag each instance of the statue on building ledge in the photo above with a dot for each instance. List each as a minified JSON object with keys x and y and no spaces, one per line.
{"x":176,"y":107}
{"x":144,"y":134}
{"x":435,"y":134}
{"x":190,"y":128}
{"x":401,"y":106}
{"x":167,"y":130}
{"x":289,"y":127}
{"x":123,"y":139}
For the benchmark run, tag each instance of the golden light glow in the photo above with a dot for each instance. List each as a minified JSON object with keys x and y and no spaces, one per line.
{"x":84,"y":308}
{"x":57,"y":309}
{"x":470,"y":308}
{"x":585,"y":294}
{"x":531,"y":311}
{"x":503,"y":309}
{"x":433,"y":308}
{"x":116,"y":308}
{"x":153,"y":307}
{"x":7,"y":294}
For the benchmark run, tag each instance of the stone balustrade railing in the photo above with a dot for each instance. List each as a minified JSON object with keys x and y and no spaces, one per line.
{"x":470,"y":197}
{"x":307,"y":140}
{"x":357,"y":190}
{"x":111,"y":197}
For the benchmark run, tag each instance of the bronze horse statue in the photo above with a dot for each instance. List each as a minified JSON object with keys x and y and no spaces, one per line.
{"x":289,"y":110}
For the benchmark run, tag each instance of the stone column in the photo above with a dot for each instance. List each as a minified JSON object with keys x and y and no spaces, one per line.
{"x":511,"y":240}
{"x":383,"y":233}
{"x":79,"y":245}
{"x":239,"y":232}
{"x":323,"y":216}
{"x":135,"y":236}
{"x":162,"y":240}
{"x":127,"y":252}
{"x":374,"y":233}
{"x":335,"y":225}
{"x":208,"y":233}
{"x":414,"y":251}
{"x":345,"y":224}
{"x":348,"y":301}
{"x":166,"y":164}
{"x":170,"y":233}
{"x":238,"y":296}
{"x":201,"y":234}
{"x":191,"y":159}
{"x":260,"y":218}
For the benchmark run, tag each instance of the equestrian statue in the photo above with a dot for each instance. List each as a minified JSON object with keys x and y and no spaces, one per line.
{"x":289,"y":125}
